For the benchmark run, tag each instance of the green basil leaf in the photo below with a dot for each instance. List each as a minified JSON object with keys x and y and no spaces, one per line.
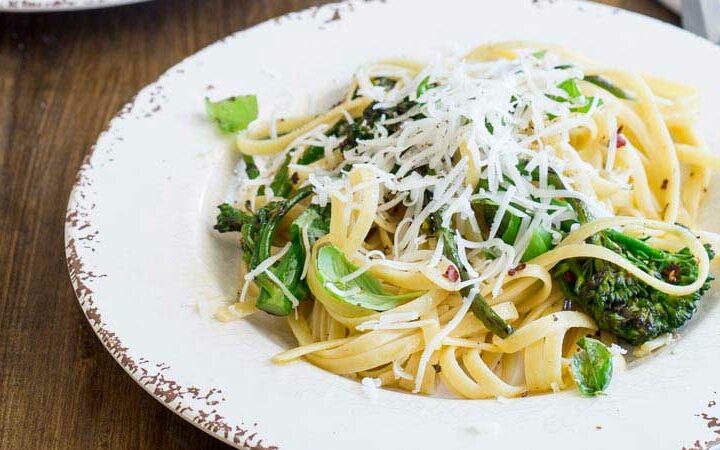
{"x":315,"y":220}
{"x":234,"y":113}
{"x":571,"y":88}
{"x":592,"y":367}
{"x":272,"y":299}
{"x":512,"y":228}
{"x":311,"y":154}
{"x":540,"y":242}
{"x":557,"y":98}
{"x":316,"y":223}
{"x":423,"y":86}
{"x":586,"y":107}
{"x":364,"y":291}
{"x":540,"y":54}
{"x":281,"y":184}
{"x":489,"y":126}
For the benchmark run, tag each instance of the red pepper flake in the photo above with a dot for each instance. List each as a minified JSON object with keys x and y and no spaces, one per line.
{"x":570,"y":277}
{"x":620,"y":141}
{"x":664,"y":184}
{"x":517,"y":269}
{"x":451,"y":273}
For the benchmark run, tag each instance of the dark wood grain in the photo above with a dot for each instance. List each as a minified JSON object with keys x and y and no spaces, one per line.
{"x":62,"y":77}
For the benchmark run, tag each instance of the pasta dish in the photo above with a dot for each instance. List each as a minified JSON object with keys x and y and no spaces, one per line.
{"x":504,"y":223}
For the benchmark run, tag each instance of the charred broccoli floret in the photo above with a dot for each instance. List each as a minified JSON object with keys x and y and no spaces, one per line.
{"x":257,"y":233}
{"x":230,"y":219}
{"x":618,"y":302}
{"x":622,"y":304}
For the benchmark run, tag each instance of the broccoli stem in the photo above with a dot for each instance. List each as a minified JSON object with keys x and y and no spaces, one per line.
{"x":633,"y":245}
{"x":480,"y":308}
{"x":281,"y":184}
{"x":267,"y":233}
{"x":620,"y":303}
{"x":273,"y":300}
{"x":603,"y":83}
{"x":629,"y":243}
{"x":258,"y":232}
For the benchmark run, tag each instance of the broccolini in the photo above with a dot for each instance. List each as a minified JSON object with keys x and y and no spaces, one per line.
{"x":257,"y":233}
{"x":620,"y":303}
{"x":480,"y":308}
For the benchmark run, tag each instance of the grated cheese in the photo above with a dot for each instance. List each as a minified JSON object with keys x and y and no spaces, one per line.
{"x":399,"y":372}
{"x":478,"y":121}
{"x":283,"y":288}
{"x":263,"y":268}
{"x":370,"y":386}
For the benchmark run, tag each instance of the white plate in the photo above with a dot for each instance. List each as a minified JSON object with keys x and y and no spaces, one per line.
{"x":141,"y":251}
{"x":59,"y":5}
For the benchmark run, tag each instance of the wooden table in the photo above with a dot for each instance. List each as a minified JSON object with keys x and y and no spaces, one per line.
{"x":62,"y":77}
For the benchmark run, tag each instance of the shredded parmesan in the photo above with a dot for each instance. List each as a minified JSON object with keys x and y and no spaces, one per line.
{"x":497,"y":110}
{"x":461,"y":143}
{"x":263,"y":268}
{"x":283,"y":288}
{"x":370,"y":387}
{"x":399,"y":372}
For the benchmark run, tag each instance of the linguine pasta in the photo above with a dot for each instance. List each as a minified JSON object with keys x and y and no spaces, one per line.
{"x":414,"y":149}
